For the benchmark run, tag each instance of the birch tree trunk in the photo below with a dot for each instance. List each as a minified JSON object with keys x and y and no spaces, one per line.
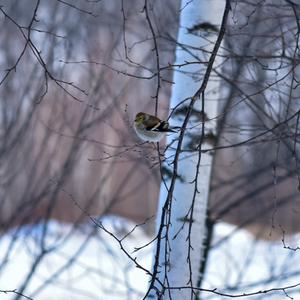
{"x":184,"y":195}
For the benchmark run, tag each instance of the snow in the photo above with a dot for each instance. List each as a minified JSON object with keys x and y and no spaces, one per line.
{"x":242,"y":264}
{"x":86,"y":263}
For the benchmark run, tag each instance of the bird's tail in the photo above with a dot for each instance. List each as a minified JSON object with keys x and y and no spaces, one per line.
{"x":174,"y":129}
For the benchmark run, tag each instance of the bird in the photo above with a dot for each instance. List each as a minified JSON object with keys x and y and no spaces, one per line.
{"x":150,"y":128}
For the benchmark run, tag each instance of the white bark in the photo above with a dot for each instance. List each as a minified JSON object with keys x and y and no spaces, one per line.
{"x":180,"y":251}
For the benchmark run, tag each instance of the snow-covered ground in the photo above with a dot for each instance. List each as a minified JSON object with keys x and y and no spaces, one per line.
{"x":83,"y":263}
{"x":239,"y":263}
{"x":86,"y":263}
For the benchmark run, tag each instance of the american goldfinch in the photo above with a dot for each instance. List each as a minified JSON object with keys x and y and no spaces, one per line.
{"x":150,"y":128}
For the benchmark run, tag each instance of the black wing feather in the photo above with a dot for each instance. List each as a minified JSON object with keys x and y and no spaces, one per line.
{"x":162,"y":126}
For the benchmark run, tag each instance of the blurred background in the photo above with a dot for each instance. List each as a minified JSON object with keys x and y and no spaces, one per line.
{"x":72,"y":77}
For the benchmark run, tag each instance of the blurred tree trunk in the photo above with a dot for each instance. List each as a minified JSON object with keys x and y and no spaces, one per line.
{"x":59,"y":151}
{"x":255,"y":185}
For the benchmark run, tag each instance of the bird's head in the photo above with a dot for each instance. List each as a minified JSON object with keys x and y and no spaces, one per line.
{"x":140,"y":118}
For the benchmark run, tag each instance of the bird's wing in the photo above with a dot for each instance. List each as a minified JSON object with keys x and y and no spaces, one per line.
{"x":154,"y":123}
{"x":160,"y":126}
